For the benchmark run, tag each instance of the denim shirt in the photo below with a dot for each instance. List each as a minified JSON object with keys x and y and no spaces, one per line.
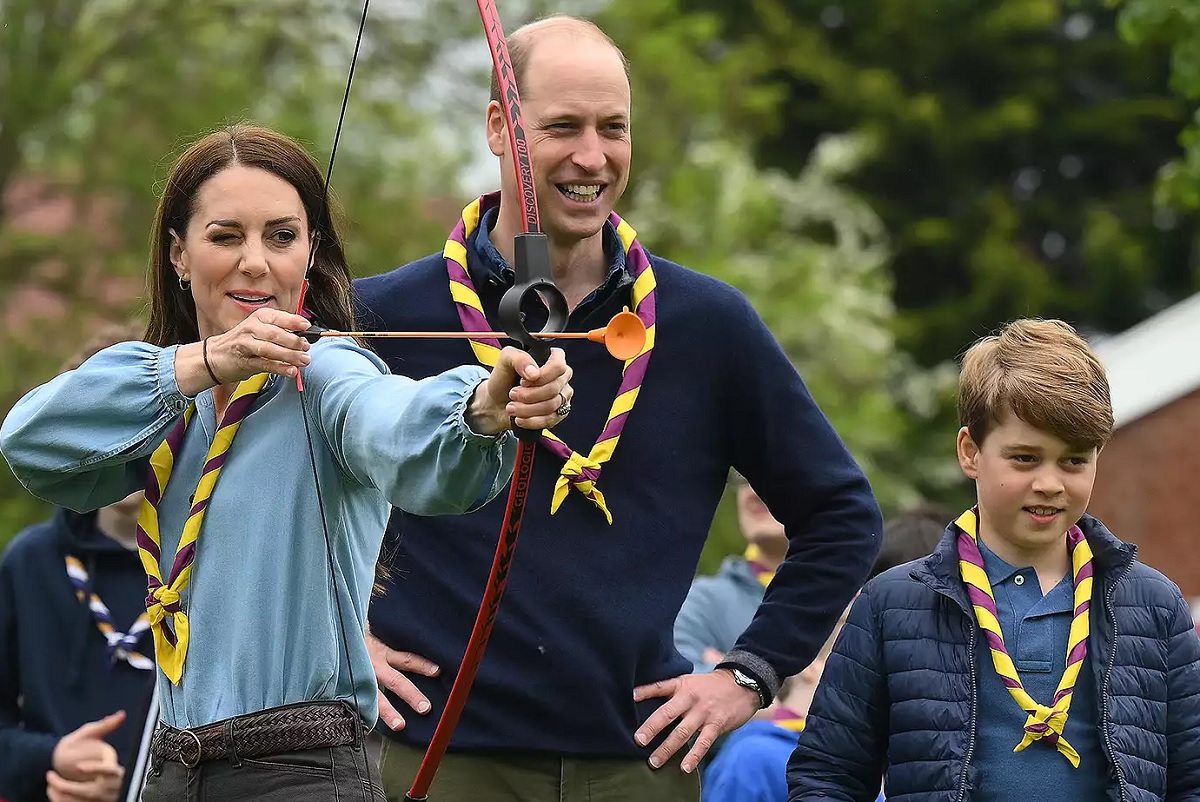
{"x":264,"y":601}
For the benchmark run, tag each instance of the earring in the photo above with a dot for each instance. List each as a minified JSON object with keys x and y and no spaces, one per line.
{"x":184,"y":284}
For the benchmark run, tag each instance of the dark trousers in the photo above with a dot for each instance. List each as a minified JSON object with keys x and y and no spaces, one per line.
{"x":346,"y":773}
{"x":337,"y":773}
{"x":538,"y":778}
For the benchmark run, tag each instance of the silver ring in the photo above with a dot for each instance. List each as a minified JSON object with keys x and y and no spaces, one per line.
{"x":565,"y":409}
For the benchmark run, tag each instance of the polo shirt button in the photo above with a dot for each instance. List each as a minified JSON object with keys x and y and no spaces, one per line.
{"x":1019,"y":579}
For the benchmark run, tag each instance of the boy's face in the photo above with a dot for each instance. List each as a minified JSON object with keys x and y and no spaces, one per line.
{"x":757,"y":524}
{"x":1032,"y":486}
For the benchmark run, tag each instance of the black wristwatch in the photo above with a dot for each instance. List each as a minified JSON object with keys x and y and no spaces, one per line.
{"x":747,"y":681}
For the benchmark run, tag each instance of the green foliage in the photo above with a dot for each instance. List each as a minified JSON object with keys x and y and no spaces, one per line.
{"x":98,"y":96}
{"x":1157,"y":24}
{"x":1019,"y":142}
{"x":812,"y":258}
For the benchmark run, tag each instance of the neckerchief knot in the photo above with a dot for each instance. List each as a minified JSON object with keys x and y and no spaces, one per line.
{"x":120,"y":645}
{"x":581,"y":473}
{"x":164,"y":600}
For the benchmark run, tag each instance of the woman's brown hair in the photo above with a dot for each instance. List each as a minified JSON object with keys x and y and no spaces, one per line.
{"x":172,"y":310}
{"x":328,"y":300}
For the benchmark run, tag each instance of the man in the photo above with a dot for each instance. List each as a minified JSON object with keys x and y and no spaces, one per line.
{"x":719,"y":608}
{"x":582,"y":690}
{"x":76,"y":656}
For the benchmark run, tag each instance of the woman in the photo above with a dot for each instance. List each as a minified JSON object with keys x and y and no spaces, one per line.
{"x":259,"y":576}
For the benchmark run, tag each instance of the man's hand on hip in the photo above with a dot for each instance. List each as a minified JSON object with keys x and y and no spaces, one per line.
{"x":709,"y":704}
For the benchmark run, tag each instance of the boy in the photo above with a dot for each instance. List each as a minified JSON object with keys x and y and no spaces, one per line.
{"x":76,"y":656}
{"x":1031,"y":656}
{"x":718,"y":608}
{"x":750,"y":768}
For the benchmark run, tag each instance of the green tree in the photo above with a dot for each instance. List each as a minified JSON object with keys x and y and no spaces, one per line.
{"x":1019,"y":141}
{"x":97,"y":96}
{"x":1157,"y":24}
{"x":812,"y":258}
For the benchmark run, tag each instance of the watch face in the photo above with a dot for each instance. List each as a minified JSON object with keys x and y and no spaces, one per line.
{"x":749,"y":683}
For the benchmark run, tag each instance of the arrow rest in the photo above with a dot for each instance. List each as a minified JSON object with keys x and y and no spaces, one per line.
{"x":532,"y":270}
{"x":533,"y":277}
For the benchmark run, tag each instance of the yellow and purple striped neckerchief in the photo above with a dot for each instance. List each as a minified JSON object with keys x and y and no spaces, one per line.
{"x":121,"y":645}
{"x":164,"y":599}
{"x":754,"y":560}
{"x":578,"y":471}
{"x":787,"y":718}
{"x":1045,"y":723}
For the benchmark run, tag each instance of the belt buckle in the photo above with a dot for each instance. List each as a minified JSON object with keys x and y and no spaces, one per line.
{"x":199,"y":750}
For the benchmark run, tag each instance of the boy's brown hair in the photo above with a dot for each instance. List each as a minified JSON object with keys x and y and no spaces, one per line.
{"x":1043,"y":372}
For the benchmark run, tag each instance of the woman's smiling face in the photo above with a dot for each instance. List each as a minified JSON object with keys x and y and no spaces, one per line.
{"x":246,"y":247}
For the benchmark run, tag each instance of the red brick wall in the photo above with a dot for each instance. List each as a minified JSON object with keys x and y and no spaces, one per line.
{"x":1148,"y":489}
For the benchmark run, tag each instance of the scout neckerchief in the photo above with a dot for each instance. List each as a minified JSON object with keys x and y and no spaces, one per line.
{"x":579,"y":471}
{"x":787,"y":718}
{"x":164,"y":599}
{"x":762,"y":572}
{"x":121,"y":645}
{"x":1044,"y":723}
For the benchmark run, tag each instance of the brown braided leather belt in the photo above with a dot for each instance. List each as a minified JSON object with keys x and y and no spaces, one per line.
{"x":292,"y":728}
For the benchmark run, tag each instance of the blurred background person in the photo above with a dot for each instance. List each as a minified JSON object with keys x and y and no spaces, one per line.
{"x":752,"y":764}
{"x":911,"y":535}
{"x":76,"y":656}
{"x":719,"y":608}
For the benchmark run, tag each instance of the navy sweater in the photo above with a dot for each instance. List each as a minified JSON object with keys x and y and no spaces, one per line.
{"x":55,"y":671}
{"x":589,"y":609}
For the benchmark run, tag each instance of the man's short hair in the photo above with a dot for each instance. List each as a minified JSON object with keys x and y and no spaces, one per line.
{"x":1043,"y":372}
{"x":520,"y":45}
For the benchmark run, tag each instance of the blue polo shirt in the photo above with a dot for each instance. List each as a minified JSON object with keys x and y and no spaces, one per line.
{"x":1035,"y":630}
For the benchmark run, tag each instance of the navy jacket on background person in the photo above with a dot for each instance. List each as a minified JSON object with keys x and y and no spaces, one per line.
{"x":900,"y":691}
{"x":590,"y":607}
{"x":55,"y":669}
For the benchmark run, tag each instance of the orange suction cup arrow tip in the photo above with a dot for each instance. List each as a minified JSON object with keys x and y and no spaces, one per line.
{"x":624,"y":336}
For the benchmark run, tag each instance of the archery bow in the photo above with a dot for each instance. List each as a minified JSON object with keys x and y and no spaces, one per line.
{"x":532,"y":269}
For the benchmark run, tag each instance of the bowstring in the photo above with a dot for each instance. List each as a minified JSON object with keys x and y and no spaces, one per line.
{"x":312,"y":453}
